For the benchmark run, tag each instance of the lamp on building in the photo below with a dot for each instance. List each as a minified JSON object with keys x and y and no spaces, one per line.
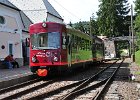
{"x":16,"y":43}
{"x":15,"y":30}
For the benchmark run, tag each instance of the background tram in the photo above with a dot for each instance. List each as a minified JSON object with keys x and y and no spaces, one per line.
{"x":98,"y":49}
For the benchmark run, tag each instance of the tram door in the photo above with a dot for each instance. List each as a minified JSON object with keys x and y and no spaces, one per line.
{"x":25,"y":51}
{"x":69,"y":51}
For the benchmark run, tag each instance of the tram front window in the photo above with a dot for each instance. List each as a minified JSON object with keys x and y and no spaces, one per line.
{"x":49,"y":40}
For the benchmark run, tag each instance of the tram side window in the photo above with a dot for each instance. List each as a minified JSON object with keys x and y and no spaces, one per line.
{"x":34,"y":41}
{"x":86,"y":44}
{"x":78,"y":43}
{"x":83,"y":44}
{"x":97,"y":45}
{"x":73,"y":41}
{"x":65,"y":40}
{"x":90,"y":45}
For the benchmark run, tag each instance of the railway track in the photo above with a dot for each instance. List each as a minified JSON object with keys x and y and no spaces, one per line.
{"x":89,"y":84}
{"x":22,"y":89}
{"x":41,"y":89}
{"x":96,"y":89}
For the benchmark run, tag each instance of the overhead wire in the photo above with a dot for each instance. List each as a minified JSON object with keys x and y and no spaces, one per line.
{"x":35,"y":10}
{"x":67,"y":10}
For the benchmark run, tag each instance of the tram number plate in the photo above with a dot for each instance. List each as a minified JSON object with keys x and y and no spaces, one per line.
{"x":42,"y":66}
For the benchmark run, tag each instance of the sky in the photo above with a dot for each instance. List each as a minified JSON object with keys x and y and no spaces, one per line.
{"x":77,"y":10}
{"x":69,"y":10}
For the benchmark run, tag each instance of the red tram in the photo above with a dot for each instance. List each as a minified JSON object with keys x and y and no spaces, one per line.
{"x":53,"y":47}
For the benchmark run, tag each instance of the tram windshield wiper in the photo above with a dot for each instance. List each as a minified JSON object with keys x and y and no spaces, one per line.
{"x":42,"y":48}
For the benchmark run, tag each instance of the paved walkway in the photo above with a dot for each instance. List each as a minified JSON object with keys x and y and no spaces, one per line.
{"x":7,"y":74}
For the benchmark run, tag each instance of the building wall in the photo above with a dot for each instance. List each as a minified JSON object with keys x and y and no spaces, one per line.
{"x":11,"y":33}
{"x":10,"y":38}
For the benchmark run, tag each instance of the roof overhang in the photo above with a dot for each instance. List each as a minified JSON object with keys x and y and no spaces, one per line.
{"x":9,"y":6}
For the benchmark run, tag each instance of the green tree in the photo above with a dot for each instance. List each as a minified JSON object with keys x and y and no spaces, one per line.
{"x":87,"y":27}
{"x":137,"y":6}
{"x":70,"y":24}
{"x":79,"y":26}
{"x":137,"y":21}
{"x":93,"y":26}
{"x":111,"y":17}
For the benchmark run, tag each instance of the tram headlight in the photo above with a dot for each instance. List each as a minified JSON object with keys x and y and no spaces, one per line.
{"x":55,"y":58}
{"x":34,"y":59}
{"x":44,"y":24}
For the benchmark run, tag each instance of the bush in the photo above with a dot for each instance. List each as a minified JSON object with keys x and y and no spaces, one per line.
{"x":137,"y":56}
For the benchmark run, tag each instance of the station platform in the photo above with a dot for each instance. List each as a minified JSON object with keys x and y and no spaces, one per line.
{"x":11,"y":77}
{"x":8,"y":74}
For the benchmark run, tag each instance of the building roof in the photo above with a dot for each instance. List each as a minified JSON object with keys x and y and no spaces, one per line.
{"x":8,"y":4}
{"x":51,"y":10}
{"x":25,"y":20}
{"x":36,"y":10}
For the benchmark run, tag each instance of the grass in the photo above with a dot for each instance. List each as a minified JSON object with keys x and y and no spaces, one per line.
{"x":137,"y":73}
{"x":137,"y":55}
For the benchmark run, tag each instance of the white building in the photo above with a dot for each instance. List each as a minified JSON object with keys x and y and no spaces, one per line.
{"x":13,"y":30}
{"x":14,"y":24}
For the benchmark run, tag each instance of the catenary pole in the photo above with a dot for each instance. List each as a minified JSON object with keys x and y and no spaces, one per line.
{"x":132,"y":30}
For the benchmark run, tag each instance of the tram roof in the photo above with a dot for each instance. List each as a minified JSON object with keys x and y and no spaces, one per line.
{"x":78,"y":33}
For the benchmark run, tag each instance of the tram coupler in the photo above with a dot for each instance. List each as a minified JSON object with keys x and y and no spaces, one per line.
{"x":42,"y":72}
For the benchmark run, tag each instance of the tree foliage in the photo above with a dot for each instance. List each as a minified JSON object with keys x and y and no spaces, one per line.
{"x":137,"y":6}
{"x":87,"y":26}
{"x":137,"y":10}
{"x":94,"y":26}
{"x":79,"y":26}
{"x":111,"y":17}
{"x":137,"y":21}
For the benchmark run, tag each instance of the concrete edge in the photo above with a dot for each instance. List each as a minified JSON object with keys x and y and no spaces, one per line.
{"x":8,"y":83}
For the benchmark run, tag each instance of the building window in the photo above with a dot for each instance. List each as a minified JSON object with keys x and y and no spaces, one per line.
{"x":10,"y":48}
{"x":2,"y":20}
